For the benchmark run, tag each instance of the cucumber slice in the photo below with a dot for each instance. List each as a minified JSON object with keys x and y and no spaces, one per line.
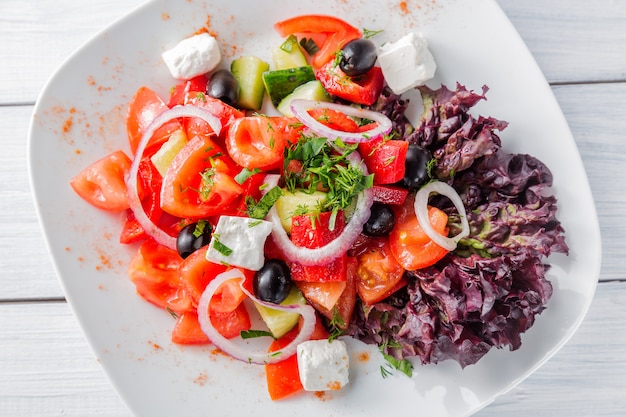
{"x":313,"y":90}
{"x":288,"y":55}
{"x":280,"y":83}
{"x":248,"y":71}
{"x":290,"y":203}
{"x":280,"y":322}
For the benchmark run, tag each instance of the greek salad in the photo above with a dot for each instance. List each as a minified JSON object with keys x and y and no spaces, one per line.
{"x":299,"y":191}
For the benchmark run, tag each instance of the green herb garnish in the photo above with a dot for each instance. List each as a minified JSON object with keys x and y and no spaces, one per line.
{"x":244,"y":174}
{"x":220,"y":247}
{"x":289,"y":43}
{"x":258,"y":210}
{"x":252,"y":334}
{"x":370,"y":33}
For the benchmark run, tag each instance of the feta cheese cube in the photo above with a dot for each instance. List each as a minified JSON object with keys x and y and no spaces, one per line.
{"x":239,"y":241}
{"x":406,"y":63}
{"x":323,"y":365}
{"x":193,"y":56}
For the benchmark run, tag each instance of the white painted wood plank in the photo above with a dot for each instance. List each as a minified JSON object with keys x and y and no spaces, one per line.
{"x":596,"y":114}
{"x":47,"y":369}
{"x":26,"y":269}
{"x":573,"y":40}
{"x":38,"y":35}
{"x":567,"y":37}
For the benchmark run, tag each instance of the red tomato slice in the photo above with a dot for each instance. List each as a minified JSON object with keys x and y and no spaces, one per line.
{"x":186,"y":194}
{"x":385,"y":159}
{"x":379,"y":274}
{"x":196,"y":272}
{"x":308,"y":235}
{"x":409,"y":244}
{"x":144,"y":107}
{"x":363,"y":89}
{"x":149,"y":180}
{"x":226,"y":114}
{"x":389,"y":194}
{"x":257,"y":142}
{"x":339,"y":33}
{"x":154,"y":271}
{"x":180,"y":90}
{"x":231,"y":324}
{"x":103,"y":183}
{"x":187,"y":330}
{"x":333,"y":297}
{"x":283,"y":378}
{"x":335,"y":119}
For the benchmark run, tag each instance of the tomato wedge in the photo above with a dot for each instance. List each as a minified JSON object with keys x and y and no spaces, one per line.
{"x":409,"y":244}
{"x":362,"y":89}
{"x":144,"y":107}
{"x":103,"y":183}
{"x":196,"y":272}
{"x":257,"y":142}
{"x":154,"y":271}
{"x":187,"y":330}
{"x":149,"y":180}
{"x":379,"y":274}
{"x":385,"y":159}
{"x":180,"y":90}
{"x":313,"y":231}
{"x":226,"y":114}
{"x":283,"y":378}
{"x":339,"y":33}
{"x":198,"y":183}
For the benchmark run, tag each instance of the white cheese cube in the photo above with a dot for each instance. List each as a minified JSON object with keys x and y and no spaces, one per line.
{"x":323,"y":365}
{"x":239,"y":241}
{"x":406,"y":63}
{"x":193,"y":56}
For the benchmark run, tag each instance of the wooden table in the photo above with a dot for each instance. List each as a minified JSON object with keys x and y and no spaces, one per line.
{"x":46,"y":367}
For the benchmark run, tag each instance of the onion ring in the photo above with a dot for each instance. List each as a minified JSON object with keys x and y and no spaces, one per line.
{"x":237,"y":351}
{"x":131,"y":182}
{"x":338,"y":246}
{"x":421,"y":211}
{"x":300,"y":108}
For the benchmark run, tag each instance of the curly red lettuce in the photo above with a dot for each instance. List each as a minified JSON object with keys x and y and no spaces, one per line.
{"x":488,"y":292}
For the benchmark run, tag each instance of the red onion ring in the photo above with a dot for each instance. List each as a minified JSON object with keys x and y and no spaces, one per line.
{"x":421,"y":211}
{"x":337,"y":247}
{"x":238,"y":351}
{"x":131,"y":182}
{"x":301,"y":107}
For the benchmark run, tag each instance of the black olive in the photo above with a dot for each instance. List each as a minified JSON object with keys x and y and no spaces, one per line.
{"x":224,"y":86}
{"x":358,"y":57}
{"x":381,"y":221}
{"x":192,"y":237}
{"x":272,"y":283}
{"x":416,"y":167}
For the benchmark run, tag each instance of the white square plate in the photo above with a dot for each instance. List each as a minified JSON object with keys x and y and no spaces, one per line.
{"x":80,"y":117}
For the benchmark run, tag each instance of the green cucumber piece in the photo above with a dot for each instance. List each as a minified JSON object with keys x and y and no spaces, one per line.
{"x":280,"y":83}
{"x":289,"y":204}
{"x":288,"y":55}
{"x":248,"y":71}
{"x":313,"y":90}
{"x":280,"y":322}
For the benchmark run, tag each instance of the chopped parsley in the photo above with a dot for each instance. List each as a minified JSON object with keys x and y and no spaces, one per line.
{"x":289,"y":43}
{"x":336,"y":325}
{"x":325,"y":166}
{"x":259,"y":209}
{"x":244,"y":174}
{"x":201,"y":228}
{"x":402,"y":365}
{"x":220,"y":247}
{"x":252,"y":334}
